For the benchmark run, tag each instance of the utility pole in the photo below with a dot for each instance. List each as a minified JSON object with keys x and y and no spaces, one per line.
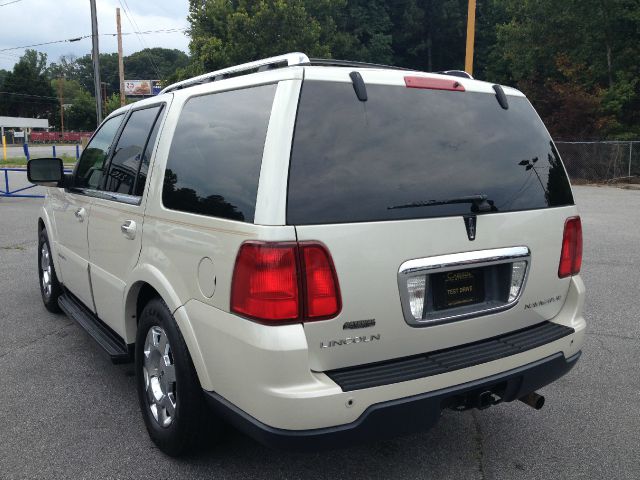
{"x":60,"y":94}
{"x":471,"y":34}
{"x":120,"y":61}
{"x":103,"y":85}
{"x":96,"y":61}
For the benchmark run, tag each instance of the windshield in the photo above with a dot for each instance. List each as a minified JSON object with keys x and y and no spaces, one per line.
{"x":352,"y":160}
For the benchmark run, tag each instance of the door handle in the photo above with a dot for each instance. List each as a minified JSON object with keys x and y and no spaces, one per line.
{"x":80,"y":214}
{"x":128,"y":229}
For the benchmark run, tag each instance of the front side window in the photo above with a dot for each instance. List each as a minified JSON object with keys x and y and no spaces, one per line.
{"x":91,"y":166}
{"x":215,"y":157}
{"x":129,"y":151}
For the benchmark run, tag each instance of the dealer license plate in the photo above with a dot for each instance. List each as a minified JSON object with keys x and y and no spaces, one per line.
{"x":457,"y":288}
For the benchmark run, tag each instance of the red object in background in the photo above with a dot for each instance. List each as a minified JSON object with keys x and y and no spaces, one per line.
{"x":58,"y":137}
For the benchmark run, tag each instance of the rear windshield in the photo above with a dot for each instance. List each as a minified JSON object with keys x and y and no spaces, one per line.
{"x":416,"y":153}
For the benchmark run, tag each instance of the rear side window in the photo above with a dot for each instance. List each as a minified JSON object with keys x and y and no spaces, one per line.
{"x":416,"y":153}
{"x":130,"y":150}
{"x":215,"y":157}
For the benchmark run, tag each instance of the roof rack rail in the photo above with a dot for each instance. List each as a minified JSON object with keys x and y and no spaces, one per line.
{"x":329,"y":62}
{"x":280,"y":61}
{"x":457,"y":73}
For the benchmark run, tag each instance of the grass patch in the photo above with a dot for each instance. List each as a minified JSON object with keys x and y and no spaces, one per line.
{"x":22,"y":161}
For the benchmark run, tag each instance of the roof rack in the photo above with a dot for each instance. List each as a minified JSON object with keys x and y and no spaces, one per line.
{"x":286,"y":60}
{"x":457,"y":73}
{"x":280,"y":61}
{"x":329,"y":62}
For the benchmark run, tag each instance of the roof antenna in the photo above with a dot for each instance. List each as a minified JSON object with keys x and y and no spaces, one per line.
{"x":359,"y":86}
{"x":502,"y":98}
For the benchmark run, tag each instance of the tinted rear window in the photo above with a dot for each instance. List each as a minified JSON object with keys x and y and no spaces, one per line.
{"x":215,"y":157}
{"x":355,"y":161}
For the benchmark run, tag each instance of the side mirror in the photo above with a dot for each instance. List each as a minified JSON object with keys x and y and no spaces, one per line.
{"x":47,"y":172}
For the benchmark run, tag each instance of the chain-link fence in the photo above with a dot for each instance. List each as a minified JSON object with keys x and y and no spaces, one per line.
{"x":601,"y":161}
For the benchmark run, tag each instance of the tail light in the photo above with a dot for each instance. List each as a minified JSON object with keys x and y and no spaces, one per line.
{"x":571,"y":256}
{"x":284,"y":282}
{"x":321,"y":284}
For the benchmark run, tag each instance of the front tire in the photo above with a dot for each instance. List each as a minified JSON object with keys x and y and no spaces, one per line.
{"x":171,"y":399}
{"x":50,"y":287}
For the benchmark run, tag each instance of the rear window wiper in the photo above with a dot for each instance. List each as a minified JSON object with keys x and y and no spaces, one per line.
{"x":479,"y":203}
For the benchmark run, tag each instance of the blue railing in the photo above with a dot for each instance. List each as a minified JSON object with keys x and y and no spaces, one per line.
{"x":7,"y":192}
{"x":27,"y":153}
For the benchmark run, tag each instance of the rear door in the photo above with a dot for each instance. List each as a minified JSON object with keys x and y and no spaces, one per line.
{"x":443,"y":212}
{"x":115,"y":232}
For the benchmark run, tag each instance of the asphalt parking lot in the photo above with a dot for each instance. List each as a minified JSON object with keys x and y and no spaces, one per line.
{"x":67,"y":412}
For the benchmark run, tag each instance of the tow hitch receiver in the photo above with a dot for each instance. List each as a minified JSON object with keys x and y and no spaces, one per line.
{"x":486,"y":400}
{"x":478,"y":399}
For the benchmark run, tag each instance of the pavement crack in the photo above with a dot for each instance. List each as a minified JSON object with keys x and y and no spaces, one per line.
{"x":603,"y":345}
{"x":612,"y":335}
{"x":35,"y":340}
{"x":479,"y":445}
{"x":18,"y":246}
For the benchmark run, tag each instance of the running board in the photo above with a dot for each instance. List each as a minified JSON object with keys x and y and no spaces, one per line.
{"x":113,"y":344}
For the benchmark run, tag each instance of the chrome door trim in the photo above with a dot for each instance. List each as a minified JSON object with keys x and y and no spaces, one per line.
{"x":113,"y":196}
{"x":458,"y":261}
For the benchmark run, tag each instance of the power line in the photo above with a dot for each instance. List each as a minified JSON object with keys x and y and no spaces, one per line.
{"x":136,"y":28}
{"x":77,"y":39}
{"x":131,"y":18}
{"x":28,"y":95}
{"x":68,"y":40}
{"x":9,"y":3}
{"x":147,"y":32}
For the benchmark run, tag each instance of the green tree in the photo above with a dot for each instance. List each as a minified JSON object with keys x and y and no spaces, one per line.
{"x":576,"y":60}
{"x":154,"y":63}
{"x":366,"y":31}
{"x":108,"y":72}
{"x":70,"y":89}
{"x":3,"y":75}
{"x":27,"y":91}
{"x":112,"y":103}
{"x":227,"y":32}
{"x":81,"y":115}
{"x":147,"y":64}
{"x":66,"y":67}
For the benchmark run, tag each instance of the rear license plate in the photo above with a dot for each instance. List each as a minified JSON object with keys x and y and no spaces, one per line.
{"x":458,"y":288}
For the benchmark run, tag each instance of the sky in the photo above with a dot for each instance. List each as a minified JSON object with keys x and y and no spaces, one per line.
{"x":27,"y":22}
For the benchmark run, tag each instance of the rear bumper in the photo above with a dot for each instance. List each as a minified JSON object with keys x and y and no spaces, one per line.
{"x":399,"y":416}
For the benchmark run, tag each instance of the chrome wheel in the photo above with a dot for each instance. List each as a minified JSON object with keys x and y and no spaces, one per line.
{"x":159,"y":376}
{"x":46,"y":270}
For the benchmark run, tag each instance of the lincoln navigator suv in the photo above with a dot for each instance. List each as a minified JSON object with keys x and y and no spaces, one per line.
{"x":318,"y":252}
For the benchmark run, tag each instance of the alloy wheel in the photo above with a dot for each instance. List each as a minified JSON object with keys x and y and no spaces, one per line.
{"x":160,"y":376}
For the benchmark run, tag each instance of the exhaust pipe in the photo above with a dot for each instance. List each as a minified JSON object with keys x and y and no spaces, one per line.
{"x":533,"y":400}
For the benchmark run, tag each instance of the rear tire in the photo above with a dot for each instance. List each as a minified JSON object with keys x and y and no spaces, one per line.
{"x":171,"y":398}
{"x":50,"y":287}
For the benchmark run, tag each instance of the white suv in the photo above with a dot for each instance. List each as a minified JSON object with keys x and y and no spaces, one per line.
{"x":321,"y":251}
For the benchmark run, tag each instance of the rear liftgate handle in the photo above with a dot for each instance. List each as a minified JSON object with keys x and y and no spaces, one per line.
{"x":128,"y":229}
